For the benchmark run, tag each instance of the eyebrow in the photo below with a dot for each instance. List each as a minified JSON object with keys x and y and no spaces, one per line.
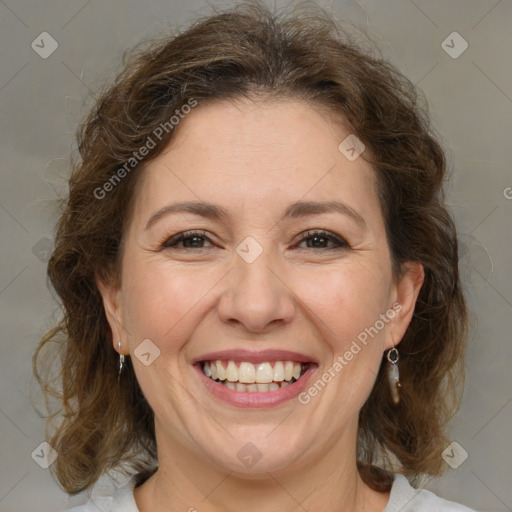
{"x":295,"y":210}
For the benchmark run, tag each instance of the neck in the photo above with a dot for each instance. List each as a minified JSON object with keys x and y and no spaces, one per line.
{"x":185,"y":482}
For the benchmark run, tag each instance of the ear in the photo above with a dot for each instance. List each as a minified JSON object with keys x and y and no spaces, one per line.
{"x":111,"y":295}
{"x":405,"y":293}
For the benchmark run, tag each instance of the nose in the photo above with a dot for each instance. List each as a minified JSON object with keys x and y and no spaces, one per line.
{"x":257,"y":297}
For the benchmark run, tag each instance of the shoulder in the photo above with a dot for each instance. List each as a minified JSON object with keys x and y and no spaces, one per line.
{"x":114,"y":495}
{"x":405,"y":498}
{"x":111,"y":493}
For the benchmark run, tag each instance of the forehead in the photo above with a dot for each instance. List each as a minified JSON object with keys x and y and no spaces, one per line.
{"x":250,"y":153}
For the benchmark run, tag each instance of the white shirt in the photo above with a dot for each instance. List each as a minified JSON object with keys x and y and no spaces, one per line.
{"x":109,"y":495}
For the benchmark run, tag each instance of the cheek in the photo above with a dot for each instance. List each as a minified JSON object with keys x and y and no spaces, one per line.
{"x":344,"y":300}
{"x":162,"y":301}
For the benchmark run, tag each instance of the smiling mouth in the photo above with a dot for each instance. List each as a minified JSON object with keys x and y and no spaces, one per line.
{"x":248,"y":377}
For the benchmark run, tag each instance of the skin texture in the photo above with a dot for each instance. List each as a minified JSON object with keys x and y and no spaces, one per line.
{"x":254,"y":159}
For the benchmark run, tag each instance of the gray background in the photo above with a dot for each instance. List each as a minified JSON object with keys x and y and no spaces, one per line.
{"x":42,"y":100}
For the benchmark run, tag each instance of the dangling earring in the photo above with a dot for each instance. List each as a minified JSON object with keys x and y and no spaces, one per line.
{"x":393,"y":375}
{"x":121,"y":362}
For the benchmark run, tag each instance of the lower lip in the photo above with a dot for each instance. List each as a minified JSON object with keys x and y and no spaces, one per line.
{"x":256,"y":398}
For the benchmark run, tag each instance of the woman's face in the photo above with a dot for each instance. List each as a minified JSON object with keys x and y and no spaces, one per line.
{"x":245,"y":288}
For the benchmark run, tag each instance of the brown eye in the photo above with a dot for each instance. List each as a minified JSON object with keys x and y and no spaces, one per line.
{"x":320,"y":239}
{"x":187,"y":240}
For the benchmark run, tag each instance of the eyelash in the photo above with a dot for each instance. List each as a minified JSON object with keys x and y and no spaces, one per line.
{"x":172,"y":242}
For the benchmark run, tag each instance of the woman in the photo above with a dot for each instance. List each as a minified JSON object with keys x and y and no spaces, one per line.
{"x":259,"y":275}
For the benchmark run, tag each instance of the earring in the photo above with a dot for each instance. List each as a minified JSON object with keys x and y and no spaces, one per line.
{"x":121,"y":361}
{"x":393,"y":375}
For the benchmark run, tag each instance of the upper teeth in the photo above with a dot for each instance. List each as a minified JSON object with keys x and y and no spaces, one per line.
{"x":249,"y":373}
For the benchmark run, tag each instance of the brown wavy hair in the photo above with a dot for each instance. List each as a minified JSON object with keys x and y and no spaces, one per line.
{"x":252,"y":52}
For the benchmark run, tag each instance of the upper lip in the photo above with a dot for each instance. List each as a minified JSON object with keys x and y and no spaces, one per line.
{"x":252,"y":356}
